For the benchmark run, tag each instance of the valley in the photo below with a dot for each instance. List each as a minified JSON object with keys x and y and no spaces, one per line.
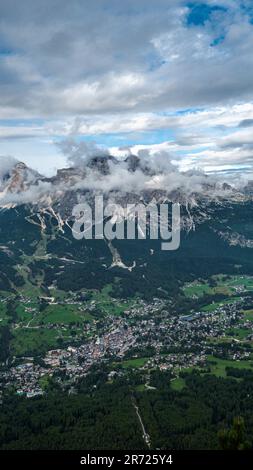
{"x":171,"y":335}
{"x":62,"y":336}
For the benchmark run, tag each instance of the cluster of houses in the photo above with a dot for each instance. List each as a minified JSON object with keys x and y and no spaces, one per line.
{"x":177,"y":342}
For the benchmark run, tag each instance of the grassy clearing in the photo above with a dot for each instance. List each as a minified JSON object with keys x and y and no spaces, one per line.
{"x":27,"y":342}
{"x":218,"y":366}
{"x":135,"y":363}
{"x":214,"y":305}
{"x":227,"y":285}
{"x":141,"y":388}
{"x":44,"y":382}
{"x":189,"y":369}
{"x":198,"y":290}
{"x":177,"y":384}
{"x":61,"y":314}
{"x":235,"y":281}
{"x":33,"y":291}
{"x":248,"y":315}
{"x":23,"y":314}
{"x":239,"y":333}
{"x":109,"y":305}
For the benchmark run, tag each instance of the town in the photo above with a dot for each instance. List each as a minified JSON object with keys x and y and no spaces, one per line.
{"x":146,"y":335}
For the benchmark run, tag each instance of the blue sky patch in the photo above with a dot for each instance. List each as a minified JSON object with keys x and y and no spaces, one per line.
{"x":200,"y":13}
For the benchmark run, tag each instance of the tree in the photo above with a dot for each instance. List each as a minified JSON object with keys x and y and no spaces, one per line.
{"x":233,"y":438}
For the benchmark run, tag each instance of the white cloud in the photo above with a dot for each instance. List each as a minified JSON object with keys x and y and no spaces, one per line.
{"x":109,"y":56}
{"x":111,"y":67}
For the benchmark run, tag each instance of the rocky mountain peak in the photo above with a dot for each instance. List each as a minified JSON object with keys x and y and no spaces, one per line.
{"x":20,"y":178}
{"x":102,"y":163}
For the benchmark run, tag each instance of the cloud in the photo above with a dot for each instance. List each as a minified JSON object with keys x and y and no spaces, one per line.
{"x":155,"y":170}
{"x":194,"y":137}
{"x":246,"y":123}
{"x":6,"y":165}
{"x":109,"y":56}
{"x":139,"y":175}
{"x":79,"y":154}
{"x":126,"y":71}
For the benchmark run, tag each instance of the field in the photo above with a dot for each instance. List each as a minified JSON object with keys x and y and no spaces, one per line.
{"x":239,"y":333}
{"x":214,"y":305}
{"x":61,"y":314}
{"x":218,"y":366}
{"x":44,"y":382}
{"x":248,"y":315}
{"x":107,"y":305}
{"x":31,"y":341}
{"x":177,"y":384}
{"x":196,"y":289}
{"x":227,"y":285}
{"x":135,"y":363}
{"x":37,"y":327}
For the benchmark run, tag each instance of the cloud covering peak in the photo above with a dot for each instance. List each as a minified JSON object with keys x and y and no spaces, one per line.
{"x":93,"y":170}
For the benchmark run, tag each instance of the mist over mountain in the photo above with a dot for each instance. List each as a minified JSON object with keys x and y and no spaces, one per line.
{"x":93,"y":170}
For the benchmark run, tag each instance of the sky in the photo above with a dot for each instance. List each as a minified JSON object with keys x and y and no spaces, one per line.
{"x":128,"y":75}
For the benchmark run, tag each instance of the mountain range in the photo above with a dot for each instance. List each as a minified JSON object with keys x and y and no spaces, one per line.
{"x":35,"y":228}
